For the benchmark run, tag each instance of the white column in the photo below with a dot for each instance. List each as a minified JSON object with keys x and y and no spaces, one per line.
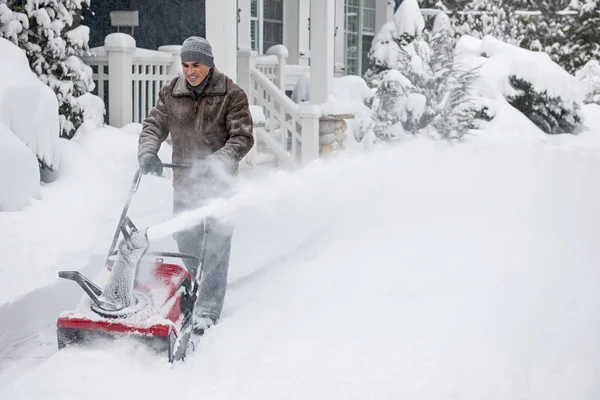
{"x":296,"y":38}
{"x":304,"y":32}
{"x":322,"y":50}
{"x":243,"y":26}
{"x":119,"y":48}
{"x":221,"y":32}
{"x":244,"y":45}
{"x":291,"y":24}
{"x":310,"y":115}
{"x":340,"y":45}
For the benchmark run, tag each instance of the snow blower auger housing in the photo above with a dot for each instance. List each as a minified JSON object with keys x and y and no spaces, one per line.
{"x":158,"y":309}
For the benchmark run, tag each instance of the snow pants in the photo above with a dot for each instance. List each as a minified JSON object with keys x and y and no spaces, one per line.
{"x":215,"y":265}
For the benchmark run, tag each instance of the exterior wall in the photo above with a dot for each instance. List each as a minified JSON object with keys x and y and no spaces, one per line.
{"x":160,"y":22}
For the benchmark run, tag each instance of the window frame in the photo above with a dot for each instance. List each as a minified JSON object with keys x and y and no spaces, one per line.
{"x":260,"y":18}
{"x":361,"y":33}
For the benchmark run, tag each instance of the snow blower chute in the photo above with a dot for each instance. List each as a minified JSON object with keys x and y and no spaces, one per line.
{"x":158,"y":309}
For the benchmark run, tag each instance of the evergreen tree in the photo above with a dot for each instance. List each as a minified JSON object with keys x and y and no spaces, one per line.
{"x":586,"y":35}
{"x":419,"y":88}
{"x":52,"y":36}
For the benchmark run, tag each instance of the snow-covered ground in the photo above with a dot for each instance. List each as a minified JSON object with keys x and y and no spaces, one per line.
{"x":424,"y":271}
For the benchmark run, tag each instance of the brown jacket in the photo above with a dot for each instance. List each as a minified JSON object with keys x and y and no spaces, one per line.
{"x":219,"y":124}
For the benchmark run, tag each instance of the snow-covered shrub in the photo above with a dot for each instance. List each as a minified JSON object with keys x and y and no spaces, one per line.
{"x":51,"y":33}
{"x":419,"y":86}
{"x":530,"y":81}
{"x":551,"y":114}
{"x":589,"y":76}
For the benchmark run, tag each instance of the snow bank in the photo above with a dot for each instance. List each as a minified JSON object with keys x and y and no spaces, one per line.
{"x":28,"y":107}
{"x":20,"y":177}
{"x":499,"y":60}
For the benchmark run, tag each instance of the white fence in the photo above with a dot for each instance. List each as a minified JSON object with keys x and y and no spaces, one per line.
{"x":128,"y":79}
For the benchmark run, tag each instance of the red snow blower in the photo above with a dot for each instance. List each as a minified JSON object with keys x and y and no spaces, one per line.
{"x":156,"y":306}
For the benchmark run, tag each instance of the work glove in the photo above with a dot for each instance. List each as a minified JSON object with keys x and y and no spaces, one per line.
{"x":151,"y":164}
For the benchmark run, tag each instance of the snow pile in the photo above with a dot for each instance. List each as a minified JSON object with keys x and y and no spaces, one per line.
{"x":589,"y":76}
{"x":28,"y":107}
{"x":20,"y":179}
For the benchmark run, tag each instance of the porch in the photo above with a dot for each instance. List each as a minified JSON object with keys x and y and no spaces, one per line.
{"x":129,"y":78}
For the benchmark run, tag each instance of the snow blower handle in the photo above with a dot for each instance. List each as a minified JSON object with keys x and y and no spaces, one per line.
{"x":123,"y":219}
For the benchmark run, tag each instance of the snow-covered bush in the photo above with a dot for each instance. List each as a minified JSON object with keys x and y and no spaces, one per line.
{"x":530,"y":81}
{"x":53,"y":38}
{"x":551,"y":114}
{"x":419,"y":86}
{"x":589,"y":76}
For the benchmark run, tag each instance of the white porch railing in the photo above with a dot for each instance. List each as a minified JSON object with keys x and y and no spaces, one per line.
{"x":291,"y":131}
{"x":128,"y":79}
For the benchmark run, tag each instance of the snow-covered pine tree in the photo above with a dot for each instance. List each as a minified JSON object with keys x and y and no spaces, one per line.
{"x":419,"y":88}
{"x":551,"y":114}
{"x":495,"y":18}
{"x":585,"y":35}
{"x":53,"y":38}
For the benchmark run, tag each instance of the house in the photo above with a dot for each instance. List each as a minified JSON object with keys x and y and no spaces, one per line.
{"x":235,"y":24}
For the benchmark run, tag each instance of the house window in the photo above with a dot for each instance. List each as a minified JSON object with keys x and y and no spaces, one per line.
{"x":359,"y":33}
{"x":266,"y":19}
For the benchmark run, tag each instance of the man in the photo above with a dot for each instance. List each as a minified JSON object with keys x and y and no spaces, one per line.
{"x":211,"y":129}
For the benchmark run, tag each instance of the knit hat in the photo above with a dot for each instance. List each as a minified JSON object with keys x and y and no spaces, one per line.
{"x":196,"y":49}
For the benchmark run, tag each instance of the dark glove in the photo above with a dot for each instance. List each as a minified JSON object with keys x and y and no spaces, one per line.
{"x":151,"y":164}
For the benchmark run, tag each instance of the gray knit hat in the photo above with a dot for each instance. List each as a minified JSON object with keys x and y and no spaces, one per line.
{"x":196,"y":49}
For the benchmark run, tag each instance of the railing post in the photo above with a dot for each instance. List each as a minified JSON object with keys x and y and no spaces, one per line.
{"x":119,"y":48}
{"x":174,"y":68}
{"x":245,"y":63}
{"x":281,"y":52}
{"x":310,"y":114}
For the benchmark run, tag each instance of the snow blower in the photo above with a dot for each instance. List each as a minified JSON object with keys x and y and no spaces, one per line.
{"x":156,"y":307}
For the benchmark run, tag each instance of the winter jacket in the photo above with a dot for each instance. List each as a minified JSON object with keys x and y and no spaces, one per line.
{"x":217,"y":125}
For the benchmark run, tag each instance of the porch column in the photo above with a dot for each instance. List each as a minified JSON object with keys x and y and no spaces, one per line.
{"x":244,"y":45}
{"x":296,"y":37}
{"x":340,"y":46}
{"x":221,"y":32}
{"x":322,"y":27}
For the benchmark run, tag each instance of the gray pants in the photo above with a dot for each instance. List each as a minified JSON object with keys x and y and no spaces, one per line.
{"x":216,"y":261}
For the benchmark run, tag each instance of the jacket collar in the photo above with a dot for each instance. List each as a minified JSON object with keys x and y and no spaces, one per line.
{"x":217,"y":86}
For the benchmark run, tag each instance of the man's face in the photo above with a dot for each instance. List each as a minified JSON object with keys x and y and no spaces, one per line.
{"x":194,"y":73}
